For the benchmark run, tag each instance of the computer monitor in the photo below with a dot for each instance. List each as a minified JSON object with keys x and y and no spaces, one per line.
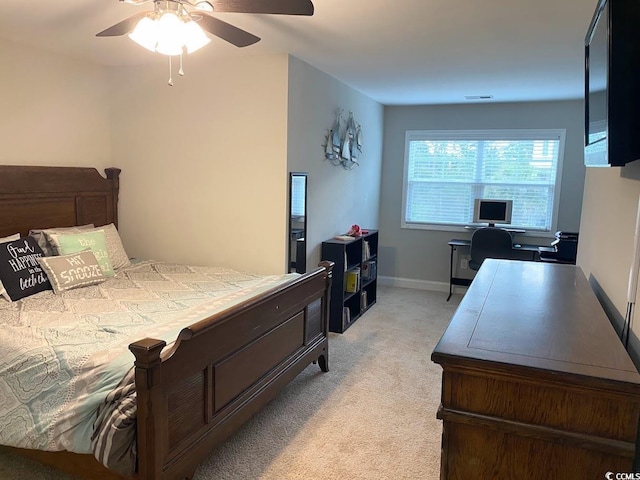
{"x":492,"y":211}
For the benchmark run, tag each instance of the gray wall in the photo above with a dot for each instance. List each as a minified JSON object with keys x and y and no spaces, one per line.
{"x":420,"y":258}
{"x":336,"y":198}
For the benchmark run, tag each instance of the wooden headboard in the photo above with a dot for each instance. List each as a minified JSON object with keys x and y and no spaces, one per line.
{"x":45,"y":197}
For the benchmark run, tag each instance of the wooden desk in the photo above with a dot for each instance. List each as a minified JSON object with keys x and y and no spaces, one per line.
{"x":456,"y":243}
{"x":536,"y":383}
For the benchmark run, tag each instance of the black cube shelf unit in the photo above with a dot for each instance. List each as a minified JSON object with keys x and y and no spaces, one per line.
{"x":353,"y":290}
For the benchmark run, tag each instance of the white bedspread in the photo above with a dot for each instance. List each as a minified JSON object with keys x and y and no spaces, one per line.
{"x":60,"y":355}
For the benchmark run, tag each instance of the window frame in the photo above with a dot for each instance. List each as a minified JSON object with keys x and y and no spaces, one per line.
{"x":486,"y":134}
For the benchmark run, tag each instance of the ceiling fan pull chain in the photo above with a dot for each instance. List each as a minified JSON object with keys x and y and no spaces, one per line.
{"x":181,"y":71}
{"x":170,"y":80}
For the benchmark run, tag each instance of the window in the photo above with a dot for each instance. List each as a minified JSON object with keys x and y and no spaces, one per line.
{"x":444,"y":171}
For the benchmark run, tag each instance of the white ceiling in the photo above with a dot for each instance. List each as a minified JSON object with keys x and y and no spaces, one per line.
{"x":394,"y":51}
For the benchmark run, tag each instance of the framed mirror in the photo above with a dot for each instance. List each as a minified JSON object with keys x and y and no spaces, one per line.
{"x":297,"y":222}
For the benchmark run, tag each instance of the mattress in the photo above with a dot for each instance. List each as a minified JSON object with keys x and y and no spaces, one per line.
{"x":62,"y":355}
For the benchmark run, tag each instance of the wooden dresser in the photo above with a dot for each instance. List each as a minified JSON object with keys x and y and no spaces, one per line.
{"x":535,"y":384}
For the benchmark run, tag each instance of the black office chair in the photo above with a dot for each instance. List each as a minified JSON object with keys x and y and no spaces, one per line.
{"x":490,"y":242}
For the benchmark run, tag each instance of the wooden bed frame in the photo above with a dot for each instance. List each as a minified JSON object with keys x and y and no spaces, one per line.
{"x":220,"y":371}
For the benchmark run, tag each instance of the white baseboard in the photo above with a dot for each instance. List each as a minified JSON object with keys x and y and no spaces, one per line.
{"x":418,"y":284}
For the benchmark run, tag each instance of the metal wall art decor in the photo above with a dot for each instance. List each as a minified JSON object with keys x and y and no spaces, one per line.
{"x":343,"y":143}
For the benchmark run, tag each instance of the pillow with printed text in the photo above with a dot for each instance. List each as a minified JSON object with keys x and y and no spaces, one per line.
{"x":20,"y":272}
{"x":72,"y":271}
{"x":76,"y":242}
{"x":117,"y":254}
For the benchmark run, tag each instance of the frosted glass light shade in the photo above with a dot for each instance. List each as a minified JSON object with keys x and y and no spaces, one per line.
{"x":146,"y":34}
{"x":194,"y":37}
{"x":169,"y":34}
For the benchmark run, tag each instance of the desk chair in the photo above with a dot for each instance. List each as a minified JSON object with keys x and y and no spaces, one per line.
{"x":490,"y":243}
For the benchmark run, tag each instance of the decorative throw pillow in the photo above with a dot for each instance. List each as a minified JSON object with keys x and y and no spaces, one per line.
{"x":45,"y":244}
{"x":76,"y":242}
{"x":20,"y":271}
{"x":117,"y":253}
{"x":72,"y":271}
{"x":10,"y":238}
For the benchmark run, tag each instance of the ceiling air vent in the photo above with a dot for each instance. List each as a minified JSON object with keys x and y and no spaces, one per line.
{"x":478,"y":97}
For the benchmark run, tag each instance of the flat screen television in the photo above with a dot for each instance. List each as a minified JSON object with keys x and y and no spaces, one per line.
{"x":492,"y":211}
{"x":612,"y":76}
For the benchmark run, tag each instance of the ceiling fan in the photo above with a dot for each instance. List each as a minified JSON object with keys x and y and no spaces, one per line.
{"x":176,"y":26}
{"x":215,"y":26}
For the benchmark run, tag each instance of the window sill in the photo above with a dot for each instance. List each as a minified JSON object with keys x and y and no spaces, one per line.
{"x":469,"y":229}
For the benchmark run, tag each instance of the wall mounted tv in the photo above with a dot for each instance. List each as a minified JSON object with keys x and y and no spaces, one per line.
{"x":612,"y":84}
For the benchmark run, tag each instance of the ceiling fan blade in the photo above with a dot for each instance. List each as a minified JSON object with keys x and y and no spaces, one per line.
{"x":122,"y":27}
{"x":225,"y":31}
{"x":274,"y":7}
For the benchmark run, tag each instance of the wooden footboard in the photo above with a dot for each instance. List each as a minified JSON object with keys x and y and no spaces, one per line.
{"x":222,"y":370}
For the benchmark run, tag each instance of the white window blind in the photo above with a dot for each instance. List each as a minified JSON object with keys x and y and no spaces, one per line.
{"x":446,"y":170}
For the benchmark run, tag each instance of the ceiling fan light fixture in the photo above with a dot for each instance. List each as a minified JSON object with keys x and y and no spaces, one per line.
{"x":172,"y":29}
{"x":169,"y":34}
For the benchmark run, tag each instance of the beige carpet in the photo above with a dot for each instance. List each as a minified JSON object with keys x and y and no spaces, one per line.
{"x":372,"y":416}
